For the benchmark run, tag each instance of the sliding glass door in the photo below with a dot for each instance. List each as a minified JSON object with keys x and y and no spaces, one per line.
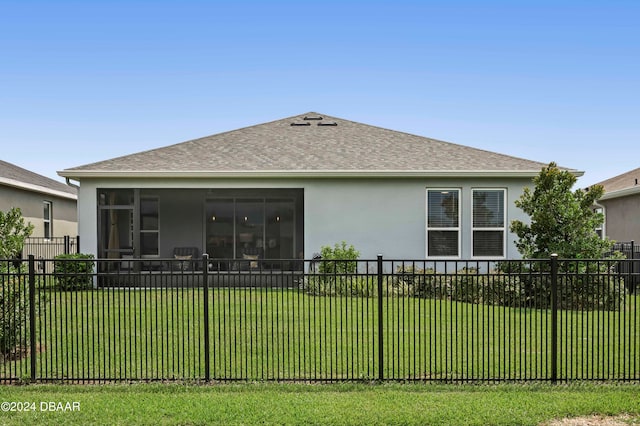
{"x":251,"y":228}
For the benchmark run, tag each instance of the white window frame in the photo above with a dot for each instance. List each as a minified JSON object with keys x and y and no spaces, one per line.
{"x":503,"y":228}
{"x":601,"y":227}
{"x":458,"y":228}
{"x":47,"y":220}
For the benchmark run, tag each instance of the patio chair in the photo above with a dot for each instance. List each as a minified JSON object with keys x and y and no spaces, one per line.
{"x":251,"y":257}
{"x":186,"y":258}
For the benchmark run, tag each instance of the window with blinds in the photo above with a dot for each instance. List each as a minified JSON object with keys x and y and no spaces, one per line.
{"x":443,"y":223}
{"x":489,"y":223}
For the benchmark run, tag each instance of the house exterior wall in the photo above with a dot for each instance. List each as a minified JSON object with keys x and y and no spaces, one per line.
{"x":377,"y":216}
{"x":64,"y":210}
{"x":622,"y":218}
{"x":388,"y":217}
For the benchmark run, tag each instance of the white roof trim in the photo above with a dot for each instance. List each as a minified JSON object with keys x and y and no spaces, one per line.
{"x":76,"y":174}
{"x":621,"y":193}
{"x":36,"y":188}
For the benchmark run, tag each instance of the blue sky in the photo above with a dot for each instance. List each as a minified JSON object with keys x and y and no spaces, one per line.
{"x":84,"y":81}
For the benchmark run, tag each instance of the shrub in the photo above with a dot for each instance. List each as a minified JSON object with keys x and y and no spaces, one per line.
{"x":339,"y":259}
{"x":340,"y":285}
{"x":417,"y":282}
{"x":74,"y":271}
{"x":14,"y":311}
{"x":337,"y":274}
{"x":585,"y":291}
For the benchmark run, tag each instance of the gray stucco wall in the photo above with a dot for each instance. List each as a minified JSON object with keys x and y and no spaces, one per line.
{"x":64,"y":211}
{"x":388,"y":217}
{"x":622,"y":218}
{"x":377,"y":216}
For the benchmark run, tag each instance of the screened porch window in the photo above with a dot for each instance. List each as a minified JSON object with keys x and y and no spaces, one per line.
{"x":149,"y":227}
{"x":488,"y":223}
{"x":443,"y":223}
{"x":115,"y":222}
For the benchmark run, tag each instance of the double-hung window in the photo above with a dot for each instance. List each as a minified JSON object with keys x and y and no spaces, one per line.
{"x":48,"y":231}
{"x":489,"y":222}
{"x":600,"y":226}
{"x":443,"y":222}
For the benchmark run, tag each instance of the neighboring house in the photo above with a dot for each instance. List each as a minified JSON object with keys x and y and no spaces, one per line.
{"x":283,"y":189}
{"x":49,"y":205}
{"x":621,"y":207}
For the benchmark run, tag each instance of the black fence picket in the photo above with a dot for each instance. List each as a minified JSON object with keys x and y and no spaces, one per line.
{"x":48,"y":248}
{"x":108,"y":320}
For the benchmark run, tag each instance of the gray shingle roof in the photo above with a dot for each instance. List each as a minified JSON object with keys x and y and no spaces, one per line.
{"x":628,"y":180}
{"x":309,"y":144}
{"x":15,"y":176}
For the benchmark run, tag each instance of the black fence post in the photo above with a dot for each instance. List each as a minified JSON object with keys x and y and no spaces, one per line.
{"x":380,"y":324}
{"x":77,"y":244}
{"x":67,"y":244}
{"x":32,"y":315}
{"x":207,"y":343}
{"x":554,"y":318}
{"x":632,"y":270}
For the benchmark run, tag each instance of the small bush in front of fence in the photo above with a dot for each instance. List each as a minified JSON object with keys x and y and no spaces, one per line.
{"x":74,"y":271}
{"x":14,"y":310}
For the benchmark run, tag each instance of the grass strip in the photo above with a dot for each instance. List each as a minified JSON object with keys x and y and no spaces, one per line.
{"x":272,"y":403}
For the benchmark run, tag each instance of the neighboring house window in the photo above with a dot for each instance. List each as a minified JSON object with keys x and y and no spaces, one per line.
{"x":599,"y":228}
{"x":488,"y":223}
{"x":443,"y":222}
{"x":149,"y":227}
{"x":48,"y":222}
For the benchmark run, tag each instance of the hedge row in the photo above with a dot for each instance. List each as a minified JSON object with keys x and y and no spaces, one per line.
{"x":575,"y":291}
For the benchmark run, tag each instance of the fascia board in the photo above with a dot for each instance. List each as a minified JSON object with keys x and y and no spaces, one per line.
{"x":621,"y":193}
{"x":248,"y":174}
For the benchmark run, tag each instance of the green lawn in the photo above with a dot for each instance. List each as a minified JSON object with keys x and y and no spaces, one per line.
{"x":273,"y":403}
{"x":263,"y":334}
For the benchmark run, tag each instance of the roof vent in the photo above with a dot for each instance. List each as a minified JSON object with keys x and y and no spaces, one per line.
{"x":318,"y":118}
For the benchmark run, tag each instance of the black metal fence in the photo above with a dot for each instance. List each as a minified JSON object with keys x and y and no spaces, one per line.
{"x":48,"y":248}
{"x":631,"y":251}
{"x":450,"y":321}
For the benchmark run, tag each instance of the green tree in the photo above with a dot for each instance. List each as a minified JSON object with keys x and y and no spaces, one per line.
{"x":13,"y":231}
{"x":562,"y":220}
